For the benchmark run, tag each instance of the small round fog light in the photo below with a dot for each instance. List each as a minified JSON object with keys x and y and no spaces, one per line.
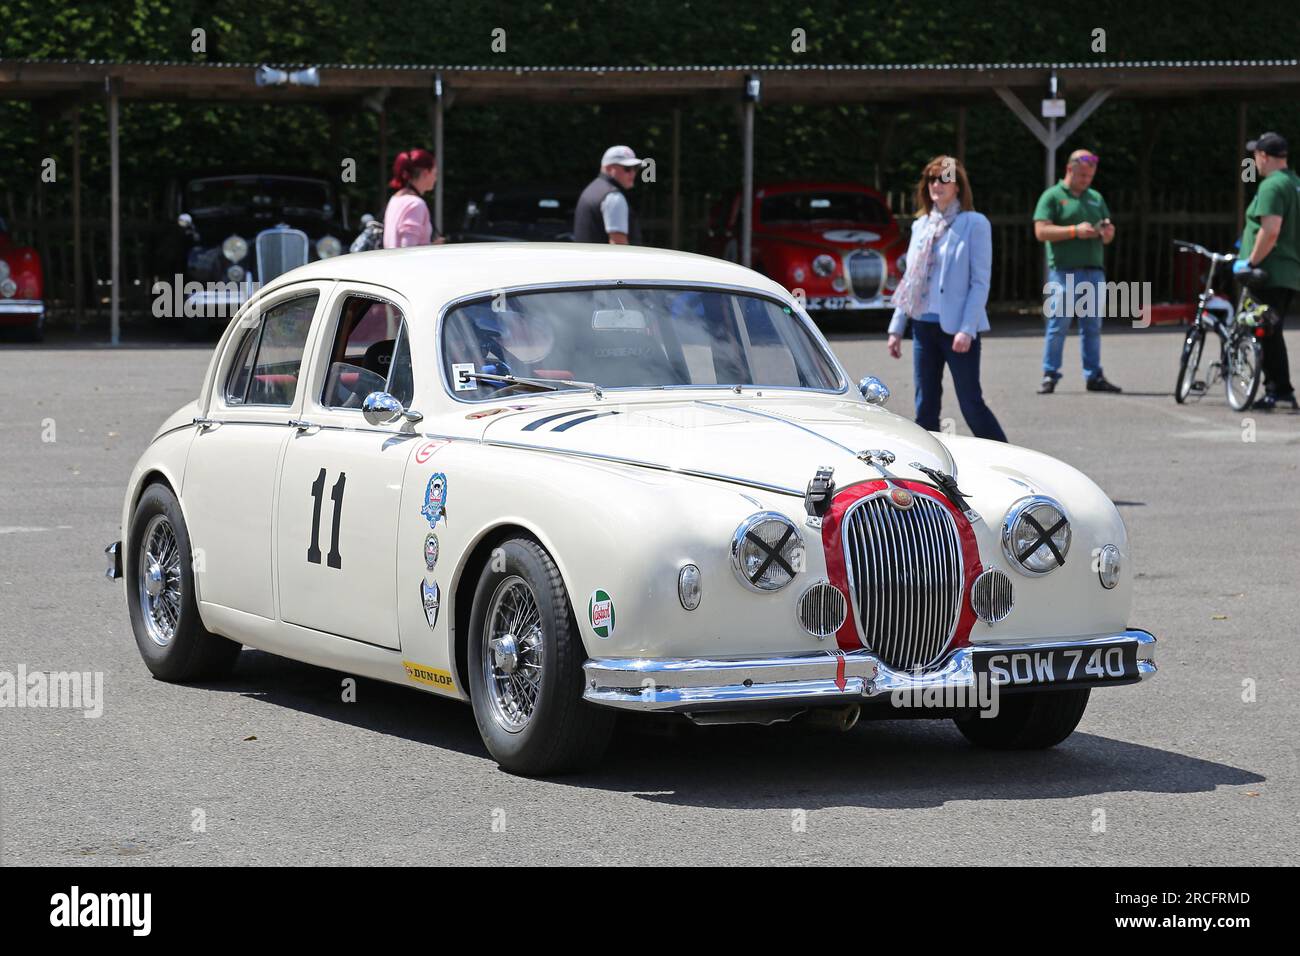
{"x":688,"y":587}
{"x":1108,"y":566}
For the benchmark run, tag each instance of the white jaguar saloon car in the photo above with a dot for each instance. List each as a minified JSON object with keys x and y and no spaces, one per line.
{"x":562,"y":482}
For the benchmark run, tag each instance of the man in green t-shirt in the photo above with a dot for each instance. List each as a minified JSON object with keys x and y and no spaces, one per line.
{"x":1074,"y":221}
{"x":1271,"y":241}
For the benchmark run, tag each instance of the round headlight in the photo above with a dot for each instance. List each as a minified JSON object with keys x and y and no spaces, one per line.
{"x":8,"y":287}
{"x":234,"y":248}
{"x":1108,"y":565}
{"x":767,"y":551}
{"x":823,"y":265}
{"x":1036,"y":535}
{"x":798,"y":274}
{"x":327,"y":246}
{"x":688,"y":586}
{"x":235,"y":273}
{"x":4,"y":270}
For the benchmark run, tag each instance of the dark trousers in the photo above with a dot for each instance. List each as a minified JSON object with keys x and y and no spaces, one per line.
{"x":1274,"y":362}
{"x":931,"y":351}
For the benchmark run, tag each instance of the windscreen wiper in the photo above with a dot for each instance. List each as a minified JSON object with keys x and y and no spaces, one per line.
{"x":550,"y":384}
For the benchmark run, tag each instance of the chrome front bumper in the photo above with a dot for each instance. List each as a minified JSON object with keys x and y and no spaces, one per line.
{"x":818,"y":679}
{"x":22,"y":307}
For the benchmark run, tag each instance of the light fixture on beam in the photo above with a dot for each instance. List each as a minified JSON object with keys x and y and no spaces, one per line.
{"x":270,"y":76}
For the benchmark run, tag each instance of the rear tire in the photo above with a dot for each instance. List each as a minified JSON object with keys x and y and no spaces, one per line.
{"x":525,"y":667}
{"x":1031,"y":721}
{"x":1190,"y":363}
{"x":160,"y":594}
{"x":1241,"y":379}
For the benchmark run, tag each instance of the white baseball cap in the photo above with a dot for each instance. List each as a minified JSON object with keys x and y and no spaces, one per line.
{"x":619,"y":156}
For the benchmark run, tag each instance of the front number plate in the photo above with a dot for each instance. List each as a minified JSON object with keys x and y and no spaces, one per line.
{"x":1065,"y":665}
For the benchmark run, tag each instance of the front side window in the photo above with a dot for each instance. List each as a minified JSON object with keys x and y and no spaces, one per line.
{"x":827,"y":206}
{"x":630,"y":337}
{"x":369,"y":354}
{"x":268,"y":359}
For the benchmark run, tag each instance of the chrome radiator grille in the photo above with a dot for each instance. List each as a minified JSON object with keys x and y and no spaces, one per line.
{"x":866,"y":273}
{"x":278,"y":251}
{"x":905,"y":575}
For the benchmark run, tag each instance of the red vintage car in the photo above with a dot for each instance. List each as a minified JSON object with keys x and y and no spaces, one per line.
{"x":838,"y":242}
{"x":22,"y":287}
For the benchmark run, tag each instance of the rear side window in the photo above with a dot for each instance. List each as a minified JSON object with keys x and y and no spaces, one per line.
{"x":269,"y":360}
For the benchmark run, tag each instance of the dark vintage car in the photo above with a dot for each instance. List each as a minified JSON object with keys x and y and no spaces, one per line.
{"x":22,"y":288}
{"x":239,"y":230}
{"x":838,"y":242}
{"x":527,"y":214}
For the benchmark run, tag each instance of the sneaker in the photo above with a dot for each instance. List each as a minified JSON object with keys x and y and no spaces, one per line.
{"x":1295,"y":405}
{"x":1047,"y":386}
{"x":1099,"y":384}
{"x":1265,"y":403}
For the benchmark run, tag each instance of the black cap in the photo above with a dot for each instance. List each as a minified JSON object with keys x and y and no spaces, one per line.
{"x":1270,"y":144}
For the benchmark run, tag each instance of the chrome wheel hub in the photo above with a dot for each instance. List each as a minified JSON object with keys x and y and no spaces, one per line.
{"x":159,"y":586}
{"x":513,"y":654}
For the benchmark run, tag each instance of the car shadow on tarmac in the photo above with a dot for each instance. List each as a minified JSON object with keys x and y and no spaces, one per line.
{"x":882,"y":764}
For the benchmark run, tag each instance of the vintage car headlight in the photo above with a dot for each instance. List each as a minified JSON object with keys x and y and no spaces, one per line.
{"x":688,"y":586}
{"x":1036,"y":535}
{"x":4,"y":270}
{"x":823,"y":265}
{"x":235,"y":273}
{"x":1108,"y":566}
{"x":234,"y":248}
{"x":327,"y":246}
{"x":8,"y":287}
{"x":767,"y":551}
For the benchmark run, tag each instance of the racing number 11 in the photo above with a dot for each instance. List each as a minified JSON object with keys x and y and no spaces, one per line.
{"x":333,"y":559}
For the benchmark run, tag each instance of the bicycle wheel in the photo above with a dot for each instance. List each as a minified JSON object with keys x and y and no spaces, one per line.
{"x":1241,"y":380}
{"x":1190,"y":363}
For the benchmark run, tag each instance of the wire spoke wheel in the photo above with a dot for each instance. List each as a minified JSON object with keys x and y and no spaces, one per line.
{"x":514,"y":653}
{"x":1241,"y":378}
{"x":1190,"y":364}
{"x":158,"y":588}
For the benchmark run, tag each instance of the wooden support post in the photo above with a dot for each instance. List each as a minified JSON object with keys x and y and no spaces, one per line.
{"x":115,"y":215}
{"x":961,"y":134}
{"x":747,"y":177}
{"x":78,"y":294}
{"x":676,"y":240}
{"x":437,"y":106}
{"x":1237,"y":147}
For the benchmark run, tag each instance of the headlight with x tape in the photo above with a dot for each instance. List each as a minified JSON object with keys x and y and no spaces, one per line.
{"x":1036,"y":535}
{"x":767,"y":551}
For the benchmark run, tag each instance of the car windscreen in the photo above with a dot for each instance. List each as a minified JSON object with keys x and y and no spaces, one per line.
{"x":527,"y":209}
{"x":630,"y":337}
{"x":235,"y":194}
{"x":832,"y":205}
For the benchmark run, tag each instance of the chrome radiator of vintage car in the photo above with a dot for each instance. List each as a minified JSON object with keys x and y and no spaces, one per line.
{"x":866,"y":272}
{"x":905,"y":577}
{"x":279,"y":250}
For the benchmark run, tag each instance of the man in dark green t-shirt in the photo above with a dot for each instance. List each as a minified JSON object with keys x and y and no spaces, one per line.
{"x":1074,"y":221}
{"x":1271,"y":241}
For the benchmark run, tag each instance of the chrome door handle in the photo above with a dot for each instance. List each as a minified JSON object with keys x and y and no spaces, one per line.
{"x":301,"y":424}
{"x":204,"y":423}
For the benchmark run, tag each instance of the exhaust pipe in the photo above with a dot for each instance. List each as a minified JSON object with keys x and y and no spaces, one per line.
{"x":842,"y":719}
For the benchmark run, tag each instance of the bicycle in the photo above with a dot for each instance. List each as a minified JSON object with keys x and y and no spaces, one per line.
{"x":1239,"y":331}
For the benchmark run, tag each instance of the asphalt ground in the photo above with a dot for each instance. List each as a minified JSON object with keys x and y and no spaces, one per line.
{"x":1198,"y":766}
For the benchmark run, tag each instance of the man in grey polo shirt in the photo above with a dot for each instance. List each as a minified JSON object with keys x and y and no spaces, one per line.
{"x":603,"y":213}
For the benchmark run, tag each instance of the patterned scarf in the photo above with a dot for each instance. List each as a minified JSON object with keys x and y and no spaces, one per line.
{"x":911,"y":291}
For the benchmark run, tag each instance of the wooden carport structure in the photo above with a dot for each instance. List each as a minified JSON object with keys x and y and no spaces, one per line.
{"x":63,"y":86}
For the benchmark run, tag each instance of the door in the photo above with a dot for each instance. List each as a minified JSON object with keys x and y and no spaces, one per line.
{"x":230,"y":477}
{"x":341,"y":482}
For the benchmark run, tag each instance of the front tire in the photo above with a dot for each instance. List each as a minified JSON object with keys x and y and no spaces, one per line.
{"x":175,"y":645}
{"x":1193,"y":345}
{"x":525,"y":667}
{"x":1031,"y":721}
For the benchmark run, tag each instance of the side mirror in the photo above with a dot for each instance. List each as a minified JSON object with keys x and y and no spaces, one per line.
{"x":874,"y":390}
{"x":380,"y":408}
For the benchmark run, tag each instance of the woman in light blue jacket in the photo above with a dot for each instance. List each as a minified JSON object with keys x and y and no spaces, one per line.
{"x":944,"y":292}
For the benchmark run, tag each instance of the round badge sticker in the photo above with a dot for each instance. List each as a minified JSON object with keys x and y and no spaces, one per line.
{"x":600,"y":611}
{"x":430,"y":551}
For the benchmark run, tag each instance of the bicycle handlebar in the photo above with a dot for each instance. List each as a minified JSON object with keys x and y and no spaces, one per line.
{"x":1184,"y":246}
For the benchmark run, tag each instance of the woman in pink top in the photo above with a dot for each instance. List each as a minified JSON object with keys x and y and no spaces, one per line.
{"x":406,"y":220}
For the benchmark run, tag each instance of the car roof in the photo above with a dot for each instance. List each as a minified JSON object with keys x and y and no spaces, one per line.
{"x":445,"y":272}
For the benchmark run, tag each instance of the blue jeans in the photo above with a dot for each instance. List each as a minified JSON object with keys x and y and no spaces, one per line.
{"x":931,"y":351}
{"x":1086,"y":306}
